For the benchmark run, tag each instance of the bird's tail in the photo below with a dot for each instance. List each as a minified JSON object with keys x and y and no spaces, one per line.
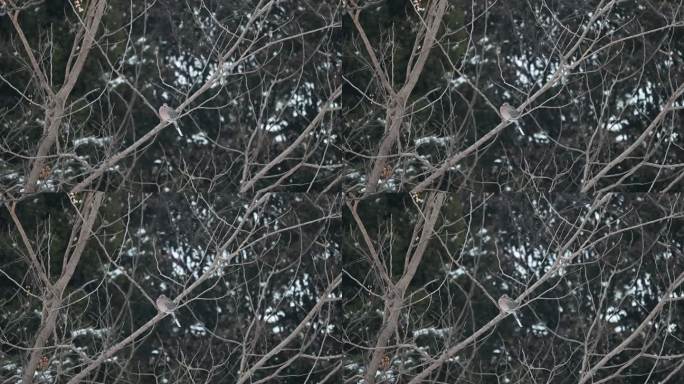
{"x":514,"y":315}
{"x":177,"y":128}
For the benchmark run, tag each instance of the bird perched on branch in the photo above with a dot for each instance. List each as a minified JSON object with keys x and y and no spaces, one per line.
{"x":165,"y":305}
{"x":169,"y":114}
{"x":509,"y":306}
{"x":508,"y":113}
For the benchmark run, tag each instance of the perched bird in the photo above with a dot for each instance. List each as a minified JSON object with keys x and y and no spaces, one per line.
{"x":169,"y":114}
{"x":165,"y":305}
{"x":509,"y":113}
{"x":509,"y":306}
